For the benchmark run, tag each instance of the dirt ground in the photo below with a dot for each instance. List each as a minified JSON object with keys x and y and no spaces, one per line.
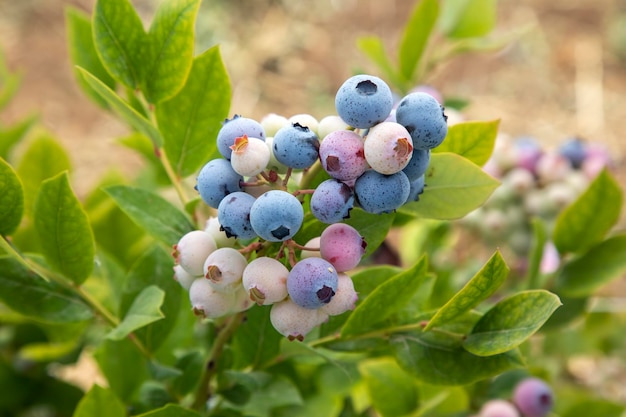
{"x":561,"y":78}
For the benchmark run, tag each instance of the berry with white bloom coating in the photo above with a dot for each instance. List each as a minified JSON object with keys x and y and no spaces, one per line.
{"x":236,"y":127}
{"x":312,"y":282}
{"x":265,"y":280}
{"x":192,"y":250}
{"x":207,"y":302}
{"x":344,"y":299}
{"x":184,"y":278}
{"x":363,"y":101}
{"x":224,"y":269}
{"x":293,"y":321}
{"x":424,"y":118}
{"x":250,"y":156}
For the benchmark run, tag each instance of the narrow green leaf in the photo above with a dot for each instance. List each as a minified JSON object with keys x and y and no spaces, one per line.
{"x":473,"y":140}
{"x":9,"y":83}
{"x":535,"y":256}
{"x":454,"y":187}
{"x":11,"y":199}
{"x":585,"y":274}
{"x":154,"y":266}
{"x":119,"y":38}
{"x":145,"y":309}
{"x":373,"y":227}
{"x":468,"y":18}
{"x":43,"y":159}
{"x":170,"y":410}
{"x":28,"y":294}
{"x":46,"y":351}
{"x":100,"y":402}
{"x":152,"y":212}
{"x":480,"y":287}
{"x":386,"y":299}
{"x":123,"y":366}
{"x":12,"y":135}
{"x":588,"y":219}
{"x":191,"y":119}
{"x":374,"y":49}
{"x":123,"y":109}
{"x":415,"y":36}
{"x":255,"y":343}
{"x":63,"y":227}
{"x":169,"y":49}
{"x":384,"y":379}
{"x":144,"y":146}
{"x":83,"y":52}
{"x":511,"y":322}
{"x":442,"y":364}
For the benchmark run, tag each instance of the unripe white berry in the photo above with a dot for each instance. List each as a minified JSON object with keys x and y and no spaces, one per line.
{"x":305,"y":120}
{"x":272,"y":123}
{"x":344,"y":299}
{"x":213,"y":227}
{"x":293,"y":321}
{"x":388,"y":147}
{"x":184,"y":278}
{"x":242,"y":300}
{"x":224,"y":269}
{"x":207,"y":302}
{"x":192,"y":250}
{"x":330,"y":124}
{"x":265,"y":280}
{"x":249,"y":156}
{"x":313,"y":243}
{"x":498,"y":408}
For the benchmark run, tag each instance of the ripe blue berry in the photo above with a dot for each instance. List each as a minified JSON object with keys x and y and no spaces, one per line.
{"x":363,"y":101}
{"x":342,"y":155}
{"x":418,"y":164}
{"x":276,"y":216}
{"x":378,"y":193}
{"x":533,"y":397}
{"x":417,"y":188}
{"x":233,"y":214}
{"x":332,"y":201}
{"x":574,"y":150}
{"x":296,"y":146}
{"x":312,"y":282}
{"x":216,"y":180}
{"x":236,"y":127}
{"x":423,"y":116}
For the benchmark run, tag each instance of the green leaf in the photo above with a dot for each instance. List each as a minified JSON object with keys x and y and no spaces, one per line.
{"x":169,"y":49}
{"x":144,"y":146}
{"x":600,"y":407}
{"x":43,"y":159}
{"x":603,"y":263}
{"x":473,"y":140}
{"x":467,"y":18}
{"x":119,"y":38}
{"x":256,"y":343}
{"x":384,"y":380}
{"x":386,"y":299}
{"x":63,"y":228}
{"x":123,"y":365}
{"x":511,"y":322}
{"x":170,"y":410}
{"x":145,"y":309}
{"x":479,"y":288}
{"x":28,"y":294}
{"x":191,"y":119}
{"x":572,"y":309}
{"x":372,"y":227}
{"x":9,"y":83}
{"x":588,"y":219}
{"x":442,"y":364}
{"x":100,"y":402}
{"x":123,"y":109}
{"x":83,"y":52}
{"x":279,"y":392}
{"x":374,"y":49}
{"x":154,"y":266}
{"x":152,"y":212}
{"x":415,"y":36}
{"x":12,"y":135}
{"x":454,"y":187}
{"x":11,"y":199}
{"x":535,"y":256}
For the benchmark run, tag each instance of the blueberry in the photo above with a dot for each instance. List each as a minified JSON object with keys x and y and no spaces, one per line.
{"x":276,"y":215}
{"x":418,"y":164}
{"x":236,"y":127}
{"x":379,"y":193}
{"x":296,"y":146}
{"x":312,"y":282}
{"x":363,"y":101}
{"x":574,"y":150}
{"x":332,"y":201}
{"x":233,"y":214}
{"x":533,"y":397}
{"x":216,"y":180}
{"x":424,"y":118}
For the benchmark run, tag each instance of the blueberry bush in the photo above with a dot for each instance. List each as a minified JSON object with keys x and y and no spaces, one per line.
{"x":238,"y":274}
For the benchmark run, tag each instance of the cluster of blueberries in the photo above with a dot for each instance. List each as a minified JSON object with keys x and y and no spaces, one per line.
{"x":532,"y":397}
{"x":375,"y":151}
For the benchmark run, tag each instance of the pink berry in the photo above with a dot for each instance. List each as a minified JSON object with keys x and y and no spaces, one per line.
{"x":342,"y":246}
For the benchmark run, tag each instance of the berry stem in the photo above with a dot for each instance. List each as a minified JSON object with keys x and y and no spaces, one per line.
{"x":203,"y":393}
{"x":307,"y":178}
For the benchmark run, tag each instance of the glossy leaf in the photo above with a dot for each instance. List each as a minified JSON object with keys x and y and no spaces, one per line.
{"x":10,"y":136}
{"x":170,"y":410}
{"x":154,"y":266}
{"x":25,"y":292}
{"x":588,"y":219}
{"x":123,"y":109}
{"x":44,"y":158}
{"x":386,"y":299}
{"x":64,"y":232}
{"x":83,"y":52}
{"x":11,"y":199}
{"x":454,"y":187}
{"x":119,"y":38}
{"x":510,"y":322}
{"x":190,"y":120}
{"x":123,"y":366}
{"x":384,"y":379}
{"x":100,"y":402}
{"x":480,"y":287}
{"x":583,"y":275}
{"x":145,"y":309}
{"x":468,"y":18}
{"x":169,"y":49}
{"x":473,"y":140}
{"x":372,"y":227}
{"x":152,"y":212}
{"x":415,"y":36}
{"x":442,"y":364}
